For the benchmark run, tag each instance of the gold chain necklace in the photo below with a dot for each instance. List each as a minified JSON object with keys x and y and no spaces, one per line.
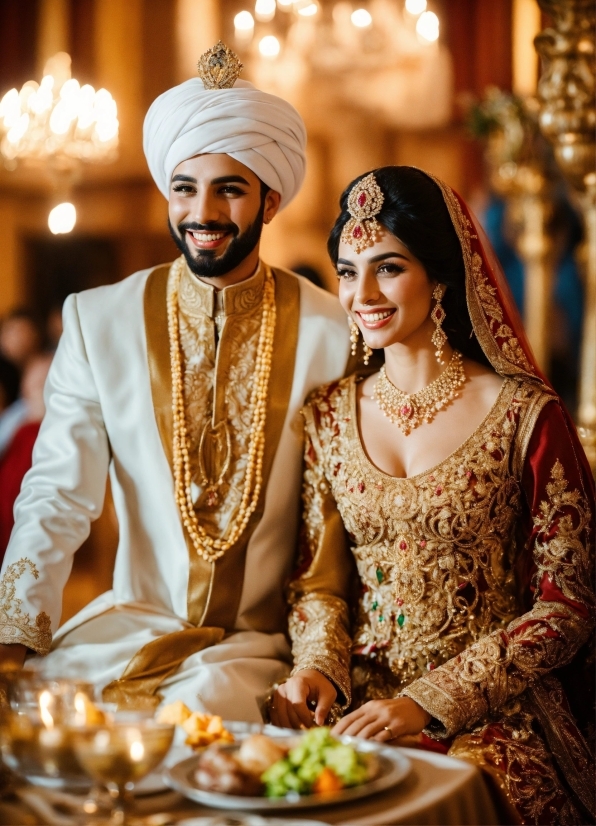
{"x":206,"y":546}
{"x":409,"y":410}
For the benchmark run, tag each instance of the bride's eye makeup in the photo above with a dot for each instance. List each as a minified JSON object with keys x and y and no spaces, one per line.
{"x":389,"y":268}
{"x":345,"y":274}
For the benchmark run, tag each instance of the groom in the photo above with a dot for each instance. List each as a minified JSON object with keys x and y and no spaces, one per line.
{"x":183,"y":382}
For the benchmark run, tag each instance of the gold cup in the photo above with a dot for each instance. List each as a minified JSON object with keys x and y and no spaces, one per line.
{"x":122,"y":752}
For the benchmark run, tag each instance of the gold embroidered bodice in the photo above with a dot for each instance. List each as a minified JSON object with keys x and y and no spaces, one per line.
{"x":219,"y":361}
{"x":435,"y":556}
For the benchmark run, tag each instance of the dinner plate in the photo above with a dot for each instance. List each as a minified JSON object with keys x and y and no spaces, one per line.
{"x":393,"y":768}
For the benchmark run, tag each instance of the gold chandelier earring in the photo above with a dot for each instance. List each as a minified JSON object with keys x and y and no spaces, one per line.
{"x":354,"y":341}
{"x":439,"y":336}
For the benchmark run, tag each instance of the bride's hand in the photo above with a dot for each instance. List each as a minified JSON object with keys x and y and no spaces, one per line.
{"x":289,"y":705}
{"x":384,"y":720}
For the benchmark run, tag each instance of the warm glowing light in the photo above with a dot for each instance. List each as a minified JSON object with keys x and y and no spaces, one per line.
{"x":361,"y":18}
{"x":60,"y":221}
{"x":137,"y":750}
{"x":10,"y":108}
{"x":244,"y":22}
{"x":286,"y":5}
{"x":45,"y":700}
{"x":58,"y":121}
{"x":307,"y":8}
{"x":16,"y":132}
{"x":265,"y":10}
{"x":70,"y":90}
{"x":80,"y":704}
{"x":61,"y":118}
{"x":427,"y":26}
{"x":269,"y":46}
{"x":415,"y":6}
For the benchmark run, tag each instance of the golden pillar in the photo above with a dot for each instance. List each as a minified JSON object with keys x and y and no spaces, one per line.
{"x":517,"y":174}
{"x":568,"y":119}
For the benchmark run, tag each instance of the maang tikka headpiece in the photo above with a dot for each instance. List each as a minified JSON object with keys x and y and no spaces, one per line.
{"x":364,"y":202}
{"x":219,"y":67}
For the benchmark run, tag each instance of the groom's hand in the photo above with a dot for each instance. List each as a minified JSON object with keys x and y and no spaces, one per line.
{"x":302,"y":701}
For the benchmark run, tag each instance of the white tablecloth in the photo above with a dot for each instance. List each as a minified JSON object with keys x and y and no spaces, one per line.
{"x":439,"y":791}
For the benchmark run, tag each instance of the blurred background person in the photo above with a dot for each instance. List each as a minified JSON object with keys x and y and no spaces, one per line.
{"x":9,"y":384}
{"x":20,"y":338}
{"x":17,"y":456}
{"x":20,"y":341}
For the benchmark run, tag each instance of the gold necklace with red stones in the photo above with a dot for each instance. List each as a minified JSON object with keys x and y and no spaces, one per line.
{"x":410,"y":410}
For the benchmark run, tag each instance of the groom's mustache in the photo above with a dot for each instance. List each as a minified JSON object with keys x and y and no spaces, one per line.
{"x":214,"y":226}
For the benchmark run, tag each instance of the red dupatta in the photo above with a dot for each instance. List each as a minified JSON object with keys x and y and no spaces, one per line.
{"x":495,"y":319}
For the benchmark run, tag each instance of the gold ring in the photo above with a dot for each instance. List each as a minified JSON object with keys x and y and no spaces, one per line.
{"x":391,"y":736}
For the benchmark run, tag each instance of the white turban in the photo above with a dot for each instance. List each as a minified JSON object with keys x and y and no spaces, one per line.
{"x":262,"y":131}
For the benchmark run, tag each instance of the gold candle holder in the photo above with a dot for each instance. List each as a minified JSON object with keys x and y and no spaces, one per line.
{"x":35,"y":736}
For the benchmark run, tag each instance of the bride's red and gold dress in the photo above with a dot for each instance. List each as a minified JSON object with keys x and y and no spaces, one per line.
{"x":475,"y":586}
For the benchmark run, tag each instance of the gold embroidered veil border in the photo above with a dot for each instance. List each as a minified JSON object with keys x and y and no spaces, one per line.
{"x":494,"y":317}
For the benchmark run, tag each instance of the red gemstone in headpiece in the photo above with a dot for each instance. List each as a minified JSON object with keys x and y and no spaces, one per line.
{"x":362,"y":199}
{"x":406,"y":410}
{"x":357,"y":233}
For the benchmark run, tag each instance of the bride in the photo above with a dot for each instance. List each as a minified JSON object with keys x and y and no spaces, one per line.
{"x":451,"y":489}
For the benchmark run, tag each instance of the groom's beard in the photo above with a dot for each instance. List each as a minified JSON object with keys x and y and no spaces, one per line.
{"x":206,"y":263}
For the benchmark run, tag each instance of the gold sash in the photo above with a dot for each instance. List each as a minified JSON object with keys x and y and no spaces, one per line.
{"x":137,"y":687}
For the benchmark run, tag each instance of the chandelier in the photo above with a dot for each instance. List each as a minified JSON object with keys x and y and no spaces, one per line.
{"x":58,"y":125}
{"x":272,"y":21}
{"x":381,"y":56}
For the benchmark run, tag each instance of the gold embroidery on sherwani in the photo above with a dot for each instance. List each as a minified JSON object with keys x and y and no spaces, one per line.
{"x":227,"y":414}
{"x":214,"y":589}
{"x":201,"y":573}
{"x":16,"y":626}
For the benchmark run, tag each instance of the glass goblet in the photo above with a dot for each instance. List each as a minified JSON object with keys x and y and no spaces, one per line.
{"x":35,"y":739}
{"x":120,"y":753}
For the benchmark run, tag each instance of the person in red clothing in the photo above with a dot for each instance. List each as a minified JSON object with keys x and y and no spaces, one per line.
{"x":17,"y":459}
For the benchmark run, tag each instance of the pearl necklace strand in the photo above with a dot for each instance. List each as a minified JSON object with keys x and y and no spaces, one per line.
{"x":206,"y":546}
{"x":409,"y":410}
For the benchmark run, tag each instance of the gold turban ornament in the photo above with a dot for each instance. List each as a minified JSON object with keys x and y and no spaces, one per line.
{"x":219,"y":67}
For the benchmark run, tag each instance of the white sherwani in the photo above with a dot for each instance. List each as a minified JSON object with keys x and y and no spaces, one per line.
{"x":108,"y":401}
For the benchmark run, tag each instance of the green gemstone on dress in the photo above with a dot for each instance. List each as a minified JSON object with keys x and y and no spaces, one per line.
{"x":379,"y":575}
{"x":375,"y":605}
{"x":381,"y":618}
{"x":400,"y":620}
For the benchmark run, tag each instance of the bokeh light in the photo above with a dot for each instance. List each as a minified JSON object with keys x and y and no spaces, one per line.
{"x":62,"y":218}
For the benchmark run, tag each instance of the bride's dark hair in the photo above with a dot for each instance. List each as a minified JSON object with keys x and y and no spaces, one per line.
{"x":415,"y":212}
